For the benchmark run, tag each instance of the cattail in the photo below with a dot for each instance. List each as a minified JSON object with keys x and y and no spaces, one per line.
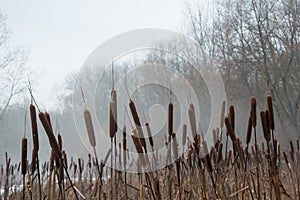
{"x":59,"y":142}
{"x":112,"y":122}
{"x":253,"y":111}
{"x":24,"y":155}
{"x":189,"y":159}
{"x":249,"y":130}
{"x":192,"y":118}
{"x":220,"y":147}
{"x":229,"y":158}
{"x":80,"y":166}
{"x":170,"y":119}
{"x":232,"y":117}
{"x":184,"y":131}
{"x":49,"y":120}
{"x":292,"y":151}
{"x":49,"y":132}
{"x":33,"y":161}
{"x":89,"y":161}
{"x":292,"y":146}
{"x":174,"y":146}
{"x":229,"y":129}
{"x":124,"y":147}
{"x":115,"y":110}
{"x":137,"y":123}
{"x":222,"y":114}
{"x":149,"y":135}
{"x":137,"y":144}
{"x":34,"y":128}
{"x":136,"y":141}
{"x":264,"y":126}
{"x":270,"y":112}
{"x":89,"y":127}
{"x":65,"y":158}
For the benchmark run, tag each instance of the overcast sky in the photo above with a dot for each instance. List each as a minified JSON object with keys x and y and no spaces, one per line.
{"x":61,"y":34}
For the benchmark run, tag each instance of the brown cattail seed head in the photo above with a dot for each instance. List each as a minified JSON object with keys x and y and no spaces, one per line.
{"x":270,"y":112}
{"x":292,"y":147}
{"x":124,"y":151}
{"x":229,"y":129}
{"x":192,"y":119}
{"x":170,"y":119}
{"x":268,"y":122}
{"x":80,"y":165}
{"x":124,"y":131}
{"x":184,"y":131}
{"x":264,"y":126}
{"x":65,"y":158}
{"x":249,"y":130}
{"x":24,"y":155}
{"x":149,"y":134}
{"x":253,"y":111}
{"x":89,"y":127}
{"x":59,"y":142}
{"x":49,"y":132}
{"x":34,"y":128}
{"x":49,"y":120}
{"x":115,"y":111}
{"x":232,"y":117}
{"x":220,"y":147}
{"x":112,"y":122}
{"x":89,"y":161}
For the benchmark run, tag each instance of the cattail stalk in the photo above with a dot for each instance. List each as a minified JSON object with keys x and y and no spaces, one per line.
{"x":35,"y":139}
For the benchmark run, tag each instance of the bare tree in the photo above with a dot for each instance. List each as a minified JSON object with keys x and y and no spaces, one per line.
{"x":255,"y":44}
{"x":14,"y":71}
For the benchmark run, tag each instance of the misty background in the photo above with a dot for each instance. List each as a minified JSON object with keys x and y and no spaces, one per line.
{"x":254,"y":45}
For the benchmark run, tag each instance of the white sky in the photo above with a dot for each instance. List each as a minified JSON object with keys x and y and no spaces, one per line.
{"x":61,"y":34}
